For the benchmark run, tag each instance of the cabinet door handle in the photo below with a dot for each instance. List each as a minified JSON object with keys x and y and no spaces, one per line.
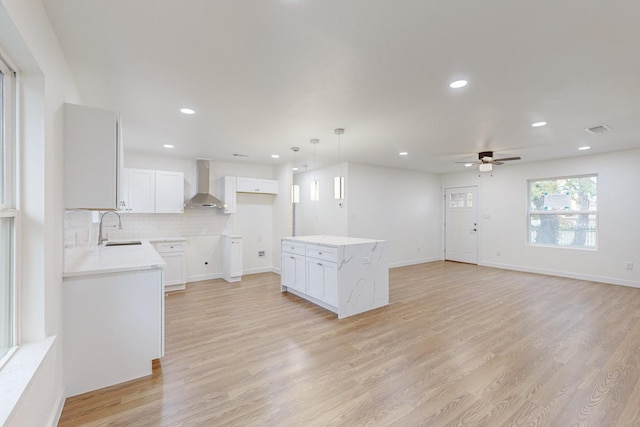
{"x":291,"y":257}
{"x":320,"y":264}
{"x":319,"y":253}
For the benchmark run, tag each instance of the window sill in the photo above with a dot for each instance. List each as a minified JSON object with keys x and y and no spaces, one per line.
{"x":17,"y":373}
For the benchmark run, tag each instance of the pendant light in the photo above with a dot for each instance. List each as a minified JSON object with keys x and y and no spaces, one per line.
{"x":295,"y":188}
{"x":338,"y":181}
{"x":315,"y":185}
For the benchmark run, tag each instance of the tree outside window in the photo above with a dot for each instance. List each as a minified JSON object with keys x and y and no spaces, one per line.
{"x":563,"y":212}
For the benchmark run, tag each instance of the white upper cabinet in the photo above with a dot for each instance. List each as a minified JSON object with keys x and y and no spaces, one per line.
{"x":169,"y":190}
{"x":256,"y":185}
{"x":139,"y":190}
{"x":150,"y":191}
{"x":92,"y":158}
{"x":226,"y":188}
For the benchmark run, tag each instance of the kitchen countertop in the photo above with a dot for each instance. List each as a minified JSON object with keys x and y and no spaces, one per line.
{"x":331,"y":240}
{"x":110,"y":259}
{"x":167,"y":239}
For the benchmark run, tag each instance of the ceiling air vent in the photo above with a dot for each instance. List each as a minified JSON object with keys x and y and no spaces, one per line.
{"x":598,"y":129}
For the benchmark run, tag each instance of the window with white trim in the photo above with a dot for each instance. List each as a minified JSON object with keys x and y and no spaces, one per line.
{"x":564,"y":212}
{"x":8,"y":211}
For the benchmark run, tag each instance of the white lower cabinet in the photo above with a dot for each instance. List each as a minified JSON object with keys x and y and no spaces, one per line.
{"x":173,"y":252}
{"x":232,"y":258}
{"x":294,"y":271}
{"x":344,"y":275}
{"x":113,"y":328}
{"x":322,"y":280}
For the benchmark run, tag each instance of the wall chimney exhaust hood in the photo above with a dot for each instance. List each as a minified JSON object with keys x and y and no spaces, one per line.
{"x":203,"y":198}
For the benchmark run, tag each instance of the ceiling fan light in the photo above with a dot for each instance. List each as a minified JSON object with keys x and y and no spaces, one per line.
{"x":485,"y":167}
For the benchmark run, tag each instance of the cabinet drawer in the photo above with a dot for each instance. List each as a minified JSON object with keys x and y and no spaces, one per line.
{"x":322,"y":252}
{"x":162,"y":247}
{"x":293,"y":248}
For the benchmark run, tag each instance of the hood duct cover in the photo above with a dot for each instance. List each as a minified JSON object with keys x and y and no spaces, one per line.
{"x":203,"y":198}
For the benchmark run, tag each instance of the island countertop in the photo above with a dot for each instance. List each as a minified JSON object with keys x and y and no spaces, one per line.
{"x":346,"y":275}
{"x":110,"y":259}
{"x":332,"y":240}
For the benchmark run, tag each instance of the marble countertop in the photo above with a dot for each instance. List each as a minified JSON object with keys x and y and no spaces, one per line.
{"x":331,"y":240}
{"x":102,"y":259}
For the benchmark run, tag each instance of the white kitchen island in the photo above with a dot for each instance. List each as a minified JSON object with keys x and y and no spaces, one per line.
{"x":346,"y":275}
{"x":113,"y":315}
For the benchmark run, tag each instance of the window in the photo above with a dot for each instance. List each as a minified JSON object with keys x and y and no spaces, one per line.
{"x":564,"y":212}
{"x":8,"y":212}
{"x":461,"y":200}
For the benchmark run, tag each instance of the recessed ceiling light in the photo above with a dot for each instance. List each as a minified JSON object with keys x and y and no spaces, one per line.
{"x":168,"y":146}
{"x":187,"y":111}
{"x":275,"y":156}
{"x":458,"y":84}
{"x":468,"y":165}
{"x":295,"y":169}
{"x":586,"y":147}
{"x":403,"y":153}
{"x":538,"y":124}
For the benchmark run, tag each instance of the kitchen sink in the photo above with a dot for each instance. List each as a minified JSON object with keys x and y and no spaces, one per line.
{"x":124,"y":243}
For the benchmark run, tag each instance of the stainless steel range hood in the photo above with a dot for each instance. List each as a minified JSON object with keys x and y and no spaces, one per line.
{"x":203,"y":198}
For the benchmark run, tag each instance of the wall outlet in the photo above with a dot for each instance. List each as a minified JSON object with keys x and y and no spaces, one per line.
{"x":498,"y":253}
{"x":628,"y":265}
{"x":260,"y":253}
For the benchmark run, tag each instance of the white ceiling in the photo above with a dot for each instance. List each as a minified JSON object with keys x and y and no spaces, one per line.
{"x":267,"y":75}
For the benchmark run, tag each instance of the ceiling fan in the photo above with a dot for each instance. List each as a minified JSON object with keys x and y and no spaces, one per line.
{"x":486,"y":161}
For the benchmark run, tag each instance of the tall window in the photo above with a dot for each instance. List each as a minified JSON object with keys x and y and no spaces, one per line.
{"x":8,"y":211}
{"x":564,"y":212}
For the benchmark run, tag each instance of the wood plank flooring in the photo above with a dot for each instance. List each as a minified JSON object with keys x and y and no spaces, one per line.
{"x":459,"y":345}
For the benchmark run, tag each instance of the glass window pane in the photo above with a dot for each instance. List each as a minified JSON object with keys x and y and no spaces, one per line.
{"x":6,"y":285}
{"x":2,"y":142}
{"x":577,"y":230}
{"x":460,"y":200}
{"x":560,"y":212}
{"x":564,"y":194}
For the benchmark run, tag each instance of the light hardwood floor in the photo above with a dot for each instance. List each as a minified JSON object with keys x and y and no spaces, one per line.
{"x":459,"y":345}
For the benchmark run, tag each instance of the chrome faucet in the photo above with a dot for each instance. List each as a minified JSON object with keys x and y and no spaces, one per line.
{"x":100,"y":238}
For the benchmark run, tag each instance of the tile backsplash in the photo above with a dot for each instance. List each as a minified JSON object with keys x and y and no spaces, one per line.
{"x":81,"y":227}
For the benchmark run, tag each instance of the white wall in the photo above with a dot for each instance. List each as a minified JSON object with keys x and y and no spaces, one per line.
{"x":324,"y":216}
{"x":503,"y":218}
{"x":402,"y":207}
{"x":46,"y":82}
{"x":282,"y":213}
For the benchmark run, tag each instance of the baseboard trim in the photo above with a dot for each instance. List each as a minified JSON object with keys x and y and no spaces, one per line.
{"x":577,"y":276}
{"x":413,"y":262}
{"x":203,"y":277}
{"x":257,"y":270}
{"x":57,"y":413}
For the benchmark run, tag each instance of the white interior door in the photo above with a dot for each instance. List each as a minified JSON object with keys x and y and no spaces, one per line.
{"x":461,"y":224}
